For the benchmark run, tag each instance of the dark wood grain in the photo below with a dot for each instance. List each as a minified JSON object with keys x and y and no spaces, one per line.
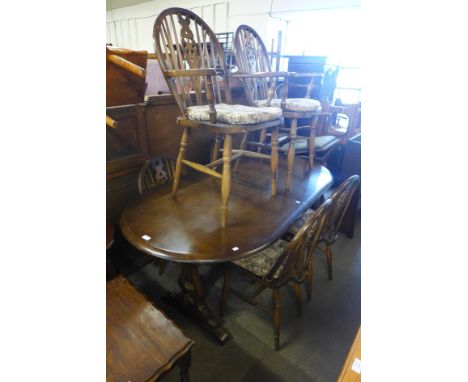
{"x":186,"y":228}
{"x":142,"y":344}
{"x":122,"y":86}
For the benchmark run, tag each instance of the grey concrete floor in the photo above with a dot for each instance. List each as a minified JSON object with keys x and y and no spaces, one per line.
{"x":313,"y":346}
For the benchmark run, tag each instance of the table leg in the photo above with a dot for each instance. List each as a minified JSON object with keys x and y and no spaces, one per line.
{"x":191,"y":301}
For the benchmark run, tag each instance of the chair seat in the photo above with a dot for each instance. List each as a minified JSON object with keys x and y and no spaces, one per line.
{"x":235,"y":114}
{"x":300,"y":222}
{"x":262,"y":262}
{"x":300,"y":146}
{"x":293,"y":104}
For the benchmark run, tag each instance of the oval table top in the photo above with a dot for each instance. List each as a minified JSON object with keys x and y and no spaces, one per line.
{"x":188,"y":228}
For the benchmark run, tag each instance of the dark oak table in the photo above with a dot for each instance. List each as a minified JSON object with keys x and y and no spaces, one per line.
{"x":142,"y":344}
{"x":186,"y":229}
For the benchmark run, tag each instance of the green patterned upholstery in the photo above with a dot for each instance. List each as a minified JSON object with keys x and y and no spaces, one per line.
{"x":300,"y":145}
{"x":262,"y":262}
{"x":300,"y":222}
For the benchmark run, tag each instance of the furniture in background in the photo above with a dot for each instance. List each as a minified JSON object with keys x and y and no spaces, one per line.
{"x":110,"y":269}
{"x":351,"y":371}
{"x":193,"y":64}
{"x":186,"y":229}
{"x":261,"y":90}
{"x":125,"y":76}
{"x":142,"y":344}
{"x":351,"y":165}
{"x":280,"y":264}
{"x":340,"y":121}
{"x":341,"y":199}
{"x":155,"y":171}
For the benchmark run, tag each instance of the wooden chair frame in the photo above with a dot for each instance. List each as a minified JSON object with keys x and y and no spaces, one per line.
{"x":294,"y":266}
{"x":260,"y":83}
{"x":192,"y":62}
{"x":155,"y":171}
{"x":341,"y":199}
{"x":329,"y":114}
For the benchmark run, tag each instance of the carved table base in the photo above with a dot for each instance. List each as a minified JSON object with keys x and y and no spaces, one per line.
{"x":191,"y":302}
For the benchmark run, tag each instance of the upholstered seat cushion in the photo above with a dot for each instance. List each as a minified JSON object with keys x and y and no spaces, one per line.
{"x":261,"y":263}
{"x":300,"y":145}
{"x":300,"y":222}
{"x":235,"y":114}
{"x":293,"y":104}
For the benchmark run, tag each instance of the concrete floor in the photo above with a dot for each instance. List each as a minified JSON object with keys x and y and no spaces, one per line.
{"x":313,"y":346}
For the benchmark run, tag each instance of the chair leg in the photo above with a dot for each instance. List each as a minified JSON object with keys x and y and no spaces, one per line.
{"x":225,"y":292}
{"x":291,"y":151}
{"x":242,"y":147}
{"x":313,"y":126}
{"x":274,"y":159}
{"x":309,"y":278}
{"x":262,"y":139}
{"x":297,"y":294}
{"x":226,"y":179}
{"x":162,"y":266}
{"x":276,"y":316}
{"x":180,"y":157}
{"x":184,"y":365}
{"x":214,"y":154}
{"x":328,"y":253}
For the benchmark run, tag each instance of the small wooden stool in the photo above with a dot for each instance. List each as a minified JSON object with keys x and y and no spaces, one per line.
{"x":142,"y":344}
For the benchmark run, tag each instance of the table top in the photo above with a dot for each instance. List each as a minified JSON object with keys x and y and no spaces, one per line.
{"x":187,"y":228}
{"x":142,"y":343}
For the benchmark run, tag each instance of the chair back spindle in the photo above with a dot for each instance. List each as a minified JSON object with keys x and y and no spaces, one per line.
{"x":252,"y":56}
{"x":292,"y":264}
{"x":154,"y":172}
{"x":341,"y":199}
{"x":182,"y":40}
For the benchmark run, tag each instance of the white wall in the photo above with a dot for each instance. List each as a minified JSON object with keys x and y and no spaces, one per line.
{"x":132,"y":26}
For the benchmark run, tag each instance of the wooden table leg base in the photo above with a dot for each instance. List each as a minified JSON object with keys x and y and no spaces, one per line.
{"x":198,"y":312}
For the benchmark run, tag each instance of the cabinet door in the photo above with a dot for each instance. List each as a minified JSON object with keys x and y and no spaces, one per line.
{"x":126,"y":151}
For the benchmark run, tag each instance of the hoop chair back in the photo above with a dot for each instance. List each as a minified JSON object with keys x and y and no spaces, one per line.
{"x":251,"y":57}
{"x":292,"y":264}
{"x":154,"y":172}
{"x":341,"y":199}
{"x":183,"y":41}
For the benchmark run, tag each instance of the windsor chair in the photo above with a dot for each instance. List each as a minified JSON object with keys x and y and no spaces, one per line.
{"x":341,"y":199}
{"x":193,"y":64}
{"x":279,"y":264}
{"x":262,"y":89}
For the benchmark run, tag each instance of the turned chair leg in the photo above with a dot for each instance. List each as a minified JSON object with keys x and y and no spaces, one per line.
{"x":226,"y":179}
{"x":274,"y":159}
{"x":215,"y":152}
{"x":291,"y":151}
{"x":297,"y":294}
{"x":162,"y":266}
{"x":313,"y":126}
{"x":309,"y":278}
{"x":241,"y":147}
{"x":262,"y":138}
{"x":180,"y":158}
{"x":225,"y":292}
{"x":329,"y":255}
{"x":184,"y":365}
{"x":276,"y":317}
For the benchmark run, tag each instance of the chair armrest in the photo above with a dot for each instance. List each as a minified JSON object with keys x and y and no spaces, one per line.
{"x":299,"y":75}
{"x":258,"y":74}
{"x":190,"y":73}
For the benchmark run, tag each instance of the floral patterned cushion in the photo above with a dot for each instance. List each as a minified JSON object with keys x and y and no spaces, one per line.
{"x":301,"y":144}
{"x":293,"y":104}
{"x":235,"y":114}
{"x":262,"y":262}
{"x":300,"y":222}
